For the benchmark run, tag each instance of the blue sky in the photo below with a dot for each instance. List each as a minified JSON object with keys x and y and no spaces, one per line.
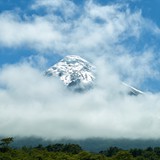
{"x":25,"y":13}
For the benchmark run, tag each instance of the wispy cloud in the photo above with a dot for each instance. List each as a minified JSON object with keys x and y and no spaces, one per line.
{"x":66,"y":7}
{"x":36,"y":105}
{"x":35,"y":33}
{"x":105,"y":25}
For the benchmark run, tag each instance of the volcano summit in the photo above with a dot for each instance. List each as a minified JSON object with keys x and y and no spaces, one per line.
{"x":75,"y":72}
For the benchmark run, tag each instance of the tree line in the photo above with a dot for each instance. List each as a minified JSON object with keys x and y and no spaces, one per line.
{"x":72,"y":152}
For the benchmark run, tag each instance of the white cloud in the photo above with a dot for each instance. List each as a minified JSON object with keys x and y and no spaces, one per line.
{"x":15,"y":32}
{"x":129,"y":66}
{"x":66,"y":7}
{"x":34,"y":105}
{"x":95,"y":29}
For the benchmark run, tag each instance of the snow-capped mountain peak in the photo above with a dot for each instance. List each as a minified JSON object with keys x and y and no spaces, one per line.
{"x":74,"y":71}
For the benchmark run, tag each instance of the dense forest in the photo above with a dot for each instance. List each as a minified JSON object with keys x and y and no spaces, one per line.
{"x":89,"y":144}
{"x":72,"y":152}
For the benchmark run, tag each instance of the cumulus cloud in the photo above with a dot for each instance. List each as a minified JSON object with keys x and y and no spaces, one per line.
{"x":35,"y":105}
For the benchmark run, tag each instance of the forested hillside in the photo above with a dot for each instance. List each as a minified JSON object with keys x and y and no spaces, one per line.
{"x":73,"y":152}
{"x":90,"y":144}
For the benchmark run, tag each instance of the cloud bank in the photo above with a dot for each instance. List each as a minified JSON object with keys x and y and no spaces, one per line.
{"x":34,"y":105}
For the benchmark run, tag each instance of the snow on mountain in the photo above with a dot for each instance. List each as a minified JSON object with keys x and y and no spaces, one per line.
{"x":75,"y":72}
{"x":131,"y":90}
{"x":79,"y":75}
